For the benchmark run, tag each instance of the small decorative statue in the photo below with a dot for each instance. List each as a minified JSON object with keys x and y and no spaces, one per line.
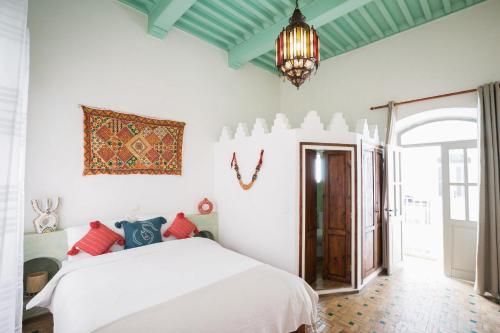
{"x":47,"y":219}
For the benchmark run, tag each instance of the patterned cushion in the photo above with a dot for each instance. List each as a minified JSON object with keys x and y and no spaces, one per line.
{"x":98,"y":240}
{"x":142,"y":233}
{"x":181,"y":227}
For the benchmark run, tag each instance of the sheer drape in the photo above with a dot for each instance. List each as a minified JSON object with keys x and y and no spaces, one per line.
{"x":13,"y":96}
{"x":488,"y":245}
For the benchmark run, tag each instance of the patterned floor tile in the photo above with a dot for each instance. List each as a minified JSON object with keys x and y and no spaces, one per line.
{"x":418,"y":299}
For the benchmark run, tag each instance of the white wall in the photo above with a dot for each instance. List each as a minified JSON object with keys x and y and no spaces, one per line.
{"x":263,"y":222}
{"x":456,"y":52}
{"x":98,"y":53}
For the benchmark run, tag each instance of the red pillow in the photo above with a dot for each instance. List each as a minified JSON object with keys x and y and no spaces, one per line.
{"x":97,"y":241}
{"x":181,"y":227}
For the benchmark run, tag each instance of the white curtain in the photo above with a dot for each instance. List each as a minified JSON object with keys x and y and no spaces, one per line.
{"x":14,"y":67}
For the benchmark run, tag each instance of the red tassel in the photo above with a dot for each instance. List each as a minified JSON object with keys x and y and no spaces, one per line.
{"x":180,"y":215}
{"x":166,"y":233}
{"x":121,"y":241}
{"x":73,"y":251}
{"x":95,"y":224}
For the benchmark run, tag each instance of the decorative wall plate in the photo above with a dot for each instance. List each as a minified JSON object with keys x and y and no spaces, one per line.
{"x":205,"y":206}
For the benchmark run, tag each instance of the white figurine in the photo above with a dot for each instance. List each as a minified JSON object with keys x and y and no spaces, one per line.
{"x":47,"y":219}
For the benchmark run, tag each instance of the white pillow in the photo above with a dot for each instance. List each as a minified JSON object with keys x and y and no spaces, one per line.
{"x":74,"y":234}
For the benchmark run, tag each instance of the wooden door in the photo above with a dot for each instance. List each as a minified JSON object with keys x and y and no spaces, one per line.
{"x":377,"y":203}
{"x":337,"y":216}
{"x":368,"y":217}
{"x":310,"y":217}
{"x":372,"y":217}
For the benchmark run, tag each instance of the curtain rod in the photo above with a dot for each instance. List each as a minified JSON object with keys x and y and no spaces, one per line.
{"x":425,"y":98}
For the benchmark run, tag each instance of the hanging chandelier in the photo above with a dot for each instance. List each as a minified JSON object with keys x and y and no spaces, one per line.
{"x":297,"y":49}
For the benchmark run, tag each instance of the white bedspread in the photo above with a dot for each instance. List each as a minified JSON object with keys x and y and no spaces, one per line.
{"x":94,"y":293}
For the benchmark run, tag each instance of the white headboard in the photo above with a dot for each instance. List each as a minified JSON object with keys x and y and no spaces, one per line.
{"x":54,"y":244}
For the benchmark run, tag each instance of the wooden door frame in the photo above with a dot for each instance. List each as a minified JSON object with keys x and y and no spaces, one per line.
{"x":354,"y":203}
{"x":374,"y":148}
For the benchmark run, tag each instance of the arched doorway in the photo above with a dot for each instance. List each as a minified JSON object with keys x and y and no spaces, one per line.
{"x":440,"y":188}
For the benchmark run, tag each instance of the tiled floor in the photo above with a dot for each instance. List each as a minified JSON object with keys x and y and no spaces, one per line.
{"x":417,"y":299}
{"x":322,"y":284}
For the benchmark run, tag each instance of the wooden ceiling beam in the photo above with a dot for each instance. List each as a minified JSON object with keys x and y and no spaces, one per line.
{"x":226,"y":19}
{"x":206,"y":21}
{"x":228,"y":7}
{"x":165,"y":14}
{"x":343,"y":34}
{"x":264,"y":65}
{"x":356,"y":28}
{"x":373,"y":25}
{"x":318,"y":13}
{"x":326,"y":34}
{"x":426,"y":9}
{"x":253,"y":10}
{"x":136,"y":5}
{"x":387,"y":16}
{"x":204,"y":34}
{"x":447,"y":6}
{"x":406,"y":12}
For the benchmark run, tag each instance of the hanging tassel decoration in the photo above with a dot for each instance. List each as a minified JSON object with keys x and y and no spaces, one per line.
{"x":234,"y":165}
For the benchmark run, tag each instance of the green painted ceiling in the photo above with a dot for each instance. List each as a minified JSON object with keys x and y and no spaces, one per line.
{"x":247,"y":29}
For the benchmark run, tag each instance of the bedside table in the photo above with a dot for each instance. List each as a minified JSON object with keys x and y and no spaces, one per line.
{"x":49,"y":265}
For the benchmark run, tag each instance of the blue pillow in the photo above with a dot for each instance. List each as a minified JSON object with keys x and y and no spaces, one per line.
{"x":142,"y":233}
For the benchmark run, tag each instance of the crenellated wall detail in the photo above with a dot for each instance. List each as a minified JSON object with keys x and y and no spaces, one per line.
{"x":260,"y":127}
{"x":311,"y":124}
{"x":241,"y":131}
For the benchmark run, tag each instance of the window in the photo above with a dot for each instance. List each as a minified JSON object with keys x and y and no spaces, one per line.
{"x":440,"y":131}
{"x":463,"y":180}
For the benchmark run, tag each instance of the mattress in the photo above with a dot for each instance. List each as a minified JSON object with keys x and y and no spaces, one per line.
{"x":190,"y":285}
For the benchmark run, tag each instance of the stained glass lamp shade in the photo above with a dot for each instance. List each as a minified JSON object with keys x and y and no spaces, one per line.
{"x":297,"y":49}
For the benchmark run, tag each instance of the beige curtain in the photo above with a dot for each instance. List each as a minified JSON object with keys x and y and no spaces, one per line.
{"x":488,"y":245}
{"x":390,"y":139}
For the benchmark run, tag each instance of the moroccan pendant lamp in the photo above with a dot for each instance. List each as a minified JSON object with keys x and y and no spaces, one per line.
{"x":297,"y":49}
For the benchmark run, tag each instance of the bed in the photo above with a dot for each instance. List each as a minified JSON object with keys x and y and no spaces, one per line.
{"x":189,"y":285}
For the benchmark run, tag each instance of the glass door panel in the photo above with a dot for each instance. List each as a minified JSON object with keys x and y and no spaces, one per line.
{"x":473,"y":203}
{"x":457,"y":202}
{"x":472,"y":166}
{"x":457,"y":167}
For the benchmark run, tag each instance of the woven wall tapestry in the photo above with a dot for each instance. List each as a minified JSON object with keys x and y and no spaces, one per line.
{"x":120,"y":143}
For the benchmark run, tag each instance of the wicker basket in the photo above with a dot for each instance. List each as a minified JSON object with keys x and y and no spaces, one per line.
{"x":36,"y":281}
